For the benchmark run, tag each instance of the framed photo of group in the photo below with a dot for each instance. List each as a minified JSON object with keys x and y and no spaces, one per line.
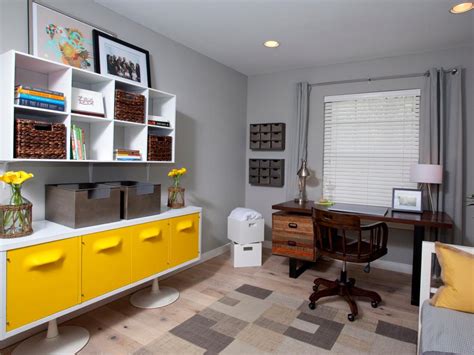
{"x":118,"y":59}
{"x":407,"y":200}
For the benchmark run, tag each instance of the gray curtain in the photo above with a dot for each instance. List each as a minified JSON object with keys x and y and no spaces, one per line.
{"x":299,"y":146}
{"x":441,"y":142}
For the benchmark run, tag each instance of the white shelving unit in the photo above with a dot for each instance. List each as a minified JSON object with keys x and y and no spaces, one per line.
{"x":103,"y":135}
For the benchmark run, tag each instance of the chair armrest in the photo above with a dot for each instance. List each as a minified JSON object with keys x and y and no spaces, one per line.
{"x":367,"y":227}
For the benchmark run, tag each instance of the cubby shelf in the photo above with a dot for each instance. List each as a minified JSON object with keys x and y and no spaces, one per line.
{"x":103,"y":134}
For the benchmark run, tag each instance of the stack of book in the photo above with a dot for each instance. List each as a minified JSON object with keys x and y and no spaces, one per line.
{"x":78,"y":145}
{"x":38,"y":97}
{"x":127,"y":155}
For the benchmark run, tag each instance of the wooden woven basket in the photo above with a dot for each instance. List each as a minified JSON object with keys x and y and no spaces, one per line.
{"x":27,"y":227}
{"x":160,"y":148}
{"x":39,"y":140}
{"x":129,"y":107}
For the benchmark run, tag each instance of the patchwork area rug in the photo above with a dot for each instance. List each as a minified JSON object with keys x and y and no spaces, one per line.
{"x":253,"y":320}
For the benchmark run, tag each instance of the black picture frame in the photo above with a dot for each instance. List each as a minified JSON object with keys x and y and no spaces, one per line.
{"x":417,"y":208}
{"x":97,"y":35}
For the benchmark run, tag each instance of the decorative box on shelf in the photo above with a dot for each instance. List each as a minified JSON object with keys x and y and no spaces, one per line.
{"x":160,"y":148}
{"x":87,"y":102}
{"x":129,"y":107}
{"x":39,"y":140}
{"x":82,"y":205}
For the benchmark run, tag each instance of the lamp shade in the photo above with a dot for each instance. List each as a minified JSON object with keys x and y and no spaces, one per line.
{"x":426,"y":173}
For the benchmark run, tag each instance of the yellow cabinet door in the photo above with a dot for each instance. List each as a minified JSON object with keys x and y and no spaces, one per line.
{"x":184,"y":239}
{"x":42,"y":280}
{"x":150,"y":244}
{"x":106,"y":262}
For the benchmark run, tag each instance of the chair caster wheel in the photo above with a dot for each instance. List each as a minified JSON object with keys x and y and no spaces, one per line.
{"x":312,"y":305}
{"x":351,"y":317}
{"x":315,"y":288}
{"x":374,"y":304}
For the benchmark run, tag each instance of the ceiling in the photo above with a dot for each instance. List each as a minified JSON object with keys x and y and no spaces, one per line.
{"x":311,"y":32}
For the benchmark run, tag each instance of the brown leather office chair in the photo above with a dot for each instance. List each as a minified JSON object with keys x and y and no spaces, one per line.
{"x":351,"y":245}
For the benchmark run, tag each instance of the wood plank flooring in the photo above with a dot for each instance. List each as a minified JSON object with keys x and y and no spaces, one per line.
{"x":119,"y":328}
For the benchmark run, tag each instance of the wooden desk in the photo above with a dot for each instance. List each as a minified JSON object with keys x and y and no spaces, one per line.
{"x":420,"y":222}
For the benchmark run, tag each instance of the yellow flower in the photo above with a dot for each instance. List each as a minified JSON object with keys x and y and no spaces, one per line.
{"x":15,"y":177}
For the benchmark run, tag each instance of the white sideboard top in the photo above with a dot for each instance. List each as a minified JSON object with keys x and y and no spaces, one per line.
{"x":46,"y":231}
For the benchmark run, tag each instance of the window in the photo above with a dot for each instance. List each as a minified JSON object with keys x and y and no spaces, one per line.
{"x":370,"y":142}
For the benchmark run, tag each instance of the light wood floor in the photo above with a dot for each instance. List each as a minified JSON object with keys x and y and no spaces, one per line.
{"x":119,"y":328}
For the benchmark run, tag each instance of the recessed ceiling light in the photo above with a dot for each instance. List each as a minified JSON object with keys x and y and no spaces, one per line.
{"x":271,"y":44}
{"x":461,"y":8}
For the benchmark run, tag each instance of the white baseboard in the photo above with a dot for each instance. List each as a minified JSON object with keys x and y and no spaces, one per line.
{"x":378,"y":264}
{"x":204,"y":257}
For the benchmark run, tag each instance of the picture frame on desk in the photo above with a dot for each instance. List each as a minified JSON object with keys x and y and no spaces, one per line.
{"x":120,"y":60}
{"x":407,"y":200}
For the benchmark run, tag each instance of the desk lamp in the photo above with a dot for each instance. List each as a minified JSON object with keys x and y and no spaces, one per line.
{"x":303,"y":173}
{"x":427,"y":174}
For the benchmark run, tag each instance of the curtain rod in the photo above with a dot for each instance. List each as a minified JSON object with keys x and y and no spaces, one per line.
{"x":377,"y":78}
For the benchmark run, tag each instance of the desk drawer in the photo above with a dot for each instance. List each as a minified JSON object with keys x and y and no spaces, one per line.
{"x":293,"y":246}
{"x":294,"y":224}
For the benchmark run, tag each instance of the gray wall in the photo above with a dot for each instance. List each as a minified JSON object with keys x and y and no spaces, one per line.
{"x":211,"y":104}
{"x":272,"y":98}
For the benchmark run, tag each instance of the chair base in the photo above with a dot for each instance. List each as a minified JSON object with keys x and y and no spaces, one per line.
{"x":345,"y":288}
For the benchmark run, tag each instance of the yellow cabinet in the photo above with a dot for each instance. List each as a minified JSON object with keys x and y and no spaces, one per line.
{"x":106,"y":262}
{"x":184,"y":241}
{"x":42,"y":280}
{"x":150,"y":244}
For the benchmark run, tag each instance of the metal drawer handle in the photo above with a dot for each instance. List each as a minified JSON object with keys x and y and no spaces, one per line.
{"x":292,"y":225}
{"x":151,"y":234}
{"x":291,"y":243}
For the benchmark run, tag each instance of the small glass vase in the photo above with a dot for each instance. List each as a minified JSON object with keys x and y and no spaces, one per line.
{"x":16,"y":215}
{"x":175,"y":197}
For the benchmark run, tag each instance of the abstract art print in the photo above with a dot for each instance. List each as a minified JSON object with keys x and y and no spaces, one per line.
{"x":121,"y":60}
{"x":60,"y":38}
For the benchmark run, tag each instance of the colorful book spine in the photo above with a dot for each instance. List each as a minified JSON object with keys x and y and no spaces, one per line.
{"x":39,"y":104}
{"x":40,"y":99}
{"x":39,"y":93}
{"x":46,"y":91}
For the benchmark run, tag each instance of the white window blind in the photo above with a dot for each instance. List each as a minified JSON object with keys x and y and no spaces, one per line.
{"x":370,"y":142}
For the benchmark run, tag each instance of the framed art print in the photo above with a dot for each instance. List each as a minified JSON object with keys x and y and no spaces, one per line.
{"x":59,"y":37}
{"x":407,"y":200}
{"x":121,"y":60}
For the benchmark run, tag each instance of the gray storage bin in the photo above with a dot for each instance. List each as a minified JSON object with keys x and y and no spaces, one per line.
{"x":265,"y":136}
{"x":275,"y":172}
{"x":276,"y":163}
{"x":253,"y":180}
{"x":276,"y":136}
{"x":82,"y":205}
{"x":253,"y":171}
{"x":264,"y":163}
{"x":277,"y":145}
{"x":254,"y":128}
{"x":265,"y":127}
{"x":254,"y":163}
{"x":277,"y":127}
{"x":264,"y":172}
{"x":265,"y":144}
{"x":264,"y":180}
{"x":138,"y":199}
{"x":276,"y":181}
{"x":254,"y":144}
{"x":254,"y":136}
